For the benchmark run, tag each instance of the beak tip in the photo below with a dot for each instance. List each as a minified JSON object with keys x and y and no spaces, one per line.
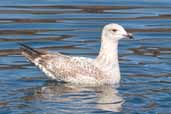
{"x":130,"y":36}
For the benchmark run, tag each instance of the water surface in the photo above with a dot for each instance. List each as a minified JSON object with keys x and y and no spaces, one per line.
{"x":73,"y":27}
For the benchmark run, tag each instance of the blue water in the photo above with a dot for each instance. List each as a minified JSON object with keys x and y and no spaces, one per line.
{"x":73,"y":27}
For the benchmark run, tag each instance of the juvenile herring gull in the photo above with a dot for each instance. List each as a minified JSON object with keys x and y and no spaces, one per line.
{"x":104,"y":69}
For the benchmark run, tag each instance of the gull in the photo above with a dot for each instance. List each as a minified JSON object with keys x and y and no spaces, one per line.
{"x":104,"y":69}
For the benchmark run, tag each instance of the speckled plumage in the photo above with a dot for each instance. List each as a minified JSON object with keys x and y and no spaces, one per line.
{"x":69,"y":69}
{"x":102,"y":70}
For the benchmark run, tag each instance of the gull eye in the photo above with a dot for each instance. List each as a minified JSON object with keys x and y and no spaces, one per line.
{"x":114,"y":30}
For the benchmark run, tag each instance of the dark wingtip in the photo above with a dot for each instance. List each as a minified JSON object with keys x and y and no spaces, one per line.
{"x":29,"y":52}
{"x":21,"y":44}
{"x":26,"y":47}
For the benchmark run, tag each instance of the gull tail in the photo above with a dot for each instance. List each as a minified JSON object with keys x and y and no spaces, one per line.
{"x":29,"y":52}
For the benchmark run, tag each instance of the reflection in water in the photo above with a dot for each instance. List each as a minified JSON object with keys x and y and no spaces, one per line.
{"x":109,"y":99}
{"x":105,"y":97}
{"x":61,"y":25}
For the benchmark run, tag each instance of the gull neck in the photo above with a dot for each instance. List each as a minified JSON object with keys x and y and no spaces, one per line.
{"x":107,"y":59}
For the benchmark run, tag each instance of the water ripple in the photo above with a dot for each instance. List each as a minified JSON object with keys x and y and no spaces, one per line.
{"x":73,"y":27}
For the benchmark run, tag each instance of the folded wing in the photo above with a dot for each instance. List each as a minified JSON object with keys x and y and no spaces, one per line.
{"x":64,"y":68}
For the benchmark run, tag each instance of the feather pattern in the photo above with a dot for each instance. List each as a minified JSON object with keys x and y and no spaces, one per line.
{"x":81,"y":70}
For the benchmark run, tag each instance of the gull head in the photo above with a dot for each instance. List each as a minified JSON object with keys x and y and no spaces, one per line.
{"x":115,"y":32}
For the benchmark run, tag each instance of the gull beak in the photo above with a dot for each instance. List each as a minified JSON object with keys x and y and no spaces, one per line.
{"x":129,"y":35}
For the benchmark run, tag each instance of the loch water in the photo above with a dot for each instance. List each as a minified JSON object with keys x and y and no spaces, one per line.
{"x":73,"y":27}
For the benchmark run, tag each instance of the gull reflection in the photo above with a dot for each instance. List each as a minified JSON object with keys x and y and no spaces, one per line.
{"x":103,"y":97}
{"x":109,"y":99}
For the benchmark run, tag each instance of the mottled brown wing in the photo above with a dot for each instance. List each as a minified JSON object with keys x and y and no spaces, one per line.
{"x":67,"y":68}
{"x":62,"y":67}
